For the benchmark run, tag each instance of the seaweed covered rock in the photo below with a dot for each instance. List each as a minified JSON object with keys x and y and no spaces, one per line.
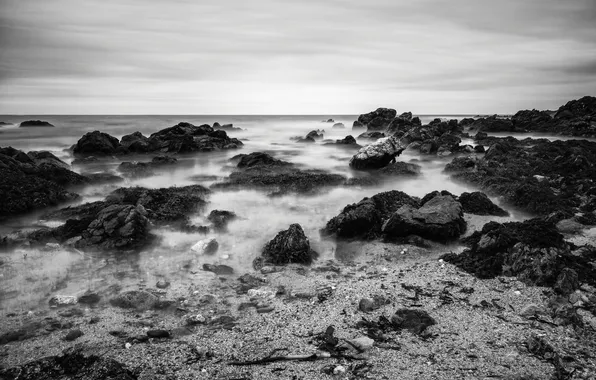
{"x":439,"y":219}
{"x":478,"y":203}
{"x":532,"y":250}
{"x":289,"y":246}
{"x":365,"y":218}
{"x":377,"y":155}
{"x":70,"y":365}
{"x":378,"y":119}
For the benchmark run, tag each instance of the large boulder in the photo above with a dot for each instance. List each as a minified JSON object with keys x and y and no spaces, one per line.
{"x":136,"y":143}
{"x":289,"y":246}
{"x":580,"y":108}
{"x":478,"y":203}
{"x":440,"y":219}
{"x":377,"y":120}
{"x":533,"y":120}
{"x":377,"y":155}
{"x":365,"y":218}
{"x":96,"y":143}
{"x":347,"y":141}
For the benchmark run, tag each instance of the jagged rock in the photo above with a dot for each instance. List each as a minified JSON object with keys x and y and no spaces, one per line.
{"x":35,"y":123}
{"x":315,"y":134}
{"x":365,"y":218}
{"x":402,"y":123}
{"x":377,"y":155}
{"x":348,"y":141}
{"x":378,"y":119}
{"x":136,"y":143}
{"x":478,"y":203}
{"x":289,"y":246}
{"x":491,"y":124}
{"x":46,"y":158}
{"x":440,"y":219}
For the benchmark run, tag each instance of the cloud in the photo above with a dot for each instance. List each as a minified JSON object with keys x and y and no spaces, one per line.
{"x":267,"y":56}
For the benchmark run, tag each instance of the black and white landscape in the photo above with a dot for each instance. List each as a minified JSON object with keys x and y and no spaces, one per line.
{"x":315,"y":190}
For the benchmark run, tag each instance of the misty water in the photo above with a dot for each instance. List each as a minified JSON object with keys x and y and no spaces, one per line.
{"x":29,"y":277}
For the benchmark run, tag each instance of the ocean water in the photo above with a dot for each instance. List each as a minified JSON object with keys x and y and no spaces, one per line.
{"x":29,"y":277}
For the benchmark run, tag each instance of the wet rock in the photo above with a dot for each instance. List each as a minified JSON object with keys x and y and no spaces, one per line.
{"x":227,"y":127}
{"x":378,"y":119}
{"x":492,"y":124}
{"x":365,"y":218}
{"x":371,"y":304}
{"x":97,"y":143}
{"x":531,"y":310}
{"x":262,"y":292}
{"x":218,"y":269}
{"x":74,"y":364}
{"x":402,"y":123}
{"x":44,"y":157}
{"x":377,"y":155}
{"x":439,"y":219}
{"x":73,"y":335}
{"x":328,"y":121}
{"x":135,"y":299}
{"x":567,"y":281}
{"x":289,"y":246}
{"x":358,"y":125}
{"x":35,"y":123}
{"x":60,"y":300}
{"x":205,"y":247}
{"x":159,"y":334}
{"x":195,"y":319}
{"x":338,"y":126}
{"x":569,"y":226}
{"x":221,"y":218}
{"x":478,"y":203}
{"x":413,"y":320}
{"x":136,"y":143}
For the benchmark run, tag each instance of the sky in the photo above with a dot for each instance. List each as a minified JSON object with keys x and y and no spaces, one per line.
{"x":294,"y":57}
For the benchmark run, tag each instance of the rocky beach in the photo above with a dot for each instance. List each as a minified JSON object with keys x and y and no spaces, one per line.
{"x":387,"y":245}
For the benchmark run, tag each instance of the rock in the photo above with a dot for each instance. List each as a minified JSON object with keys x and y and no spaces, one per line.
{"x":378,"y":119}
{"x":219,"y":269}
{"x":413,"y":320}
{"x":479,"y":149}
{"x":259,"y":159}
{"x":96,"y":143}
{"x":46,"y":158}
{"x":567,"y":282}
{"x":73,"y":335}
{"x":263,"y":292}
{"x":328,"y":121}
{"x":362,"y":343}
{"x":221,"y":218}
{"x":400,"y":169}
{"x":315,"y":134}
{"x":338,"y":126}
{"x":367,"y":304}
{"x":371,"y":135}
{"x":491,"y":124}
{"x":348,"y":141}
{"x":73,"y":363}
{"x":377,"y":155}
{"x":358,"y":125}
{"x":306,"y":140}
{"x":531,"y":310}
{"x":227,"y":127}
{"x":206,"y":247}
{"x":365,"y":218}
{"x":569,"y":226}
{"x":59,"y":300}
{"x":89,"y":298}
{"x":162,"y":284}
{"x":440,"y":219}
{"x":135,"y":299}
{"x":159,"y":334}
{"x":289,"y":246}
{"x":136,"y":143}
{"x":195,"y":319}
{"x":478,"y":203}
{"x":402,"y":123}
{"x":35,"y":123}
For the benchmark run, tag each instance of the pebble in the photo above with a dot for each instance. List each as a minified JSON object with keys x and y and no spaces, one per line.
{"x":73,"y":335}
{"x":339,"y":370}
{"x":59,"y":300}
{"x":162,"y":284}
{"x":127,"y":346}
{"x":263,"y":292}
{"x":266,"y":309}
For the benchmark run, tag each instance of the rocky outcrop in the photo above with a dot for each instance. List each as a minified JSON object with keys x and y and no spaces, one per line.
{"x":35,"y":123}
{"x":439,"y":219}
{"x":377,"y":155}
{"x":377,"y":120}
{"x":315,"y":134}
{"x":365,"y":218}
{"x":226,"y":127}
{"x":478,"y":203}
{"x":289,"y":246}
{"x":71,"y":365}
{"x":181,"y":138}
{"x":402,"y":123}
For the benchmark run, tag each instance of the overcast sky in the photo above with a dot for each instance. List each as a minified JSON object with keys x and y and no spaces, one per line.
{"x":294,"y":57}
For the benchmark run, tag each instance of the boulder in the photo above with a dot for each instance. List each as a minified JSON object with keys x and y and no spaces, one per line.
{"x":377,"y":155}
{"x":221,"y":218}
{"x":338,"y":126}
{"x":46,"y":158}
{"x":289,"y":246}
{"x":136,"y":143}
{"x":348,"y":141}
{"x":358,"y":125}
{"x":533,"y":120}
{"x":378,"y":119}
{"x":478,"y":203}
{"x":97,"y":143}
{"x":35,"y":123}
{"x":315,"y":134}
{"x":365,"y":218}
{"x":491,"y":124}
{"x":402,"y":123}
{"x":440,"y":219}
{"x":205,"y":247}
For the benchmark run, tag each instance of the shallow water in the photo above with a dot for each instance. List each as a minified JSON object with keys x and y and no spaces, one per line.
{"x":28,"y":278}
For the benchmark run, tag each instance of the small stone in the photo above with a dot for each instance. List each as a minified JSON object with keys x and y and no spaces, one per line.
{"x":89,"y":298}
{"x":162,"y":284}
{"x":63,"y":300}
{"x":268,"y":269}
{"x":363,"y":343}
{"x":73,"y":335}
{"x":266,"y":309}
{"x":195,"y":319}
{"x":366,"y":305}
{"x":339,"y":370}
{"x":127,"y":345}
{"x":158,"y":334}
{"x":263,"y":292}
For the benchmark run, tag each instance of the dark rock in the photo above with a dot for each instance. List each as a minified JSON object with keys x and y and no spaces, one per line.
{"x":413,"y":320}
{"x":533,"y":120}
{"x":136,"y":143}
{"x":45,"y":157}
{"x":491,"y":124}
{"x":221,"y":218}
{"x":35,"y":123}
{"x":365,"y":218}
{"x":162,"y":284}
{"x":71,"y":365}
{"x":367,"y":304}
{"x":289,"y":246}
{"x":307,"y":139}
{"x":400,"y":169}
{"x":73,"y":335}
{"x":315,"y":134}
{"x":89,"y":298}
{"x":371,"y":135}
{"x":402,"y":123}
{"x":439,"y":219}
{"x":259,"y":159}
{"x":479,"y":149}
{"x":158,"y":334}
{"x":218,"y":269}
{"x":338,"y":126}
{"x":358,"y":125}
{"x":377,"y":155}
{"x":478,"y":203}
{"x":348,"y":140}
{"x":226,"y":127}
{"x":96,"y":143}
{"x":135,"y":299}
{"x":378,"y":119}
{"x":328,"y":121}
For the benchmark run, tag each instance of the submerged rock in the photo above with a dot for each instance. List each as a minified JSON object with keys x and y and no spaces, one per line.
{"x":377,"y":155}
{"x":439,"y":219}
{"x":35,"y":123}
{"x":259,"y":159}
{"x":289,"y":246}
